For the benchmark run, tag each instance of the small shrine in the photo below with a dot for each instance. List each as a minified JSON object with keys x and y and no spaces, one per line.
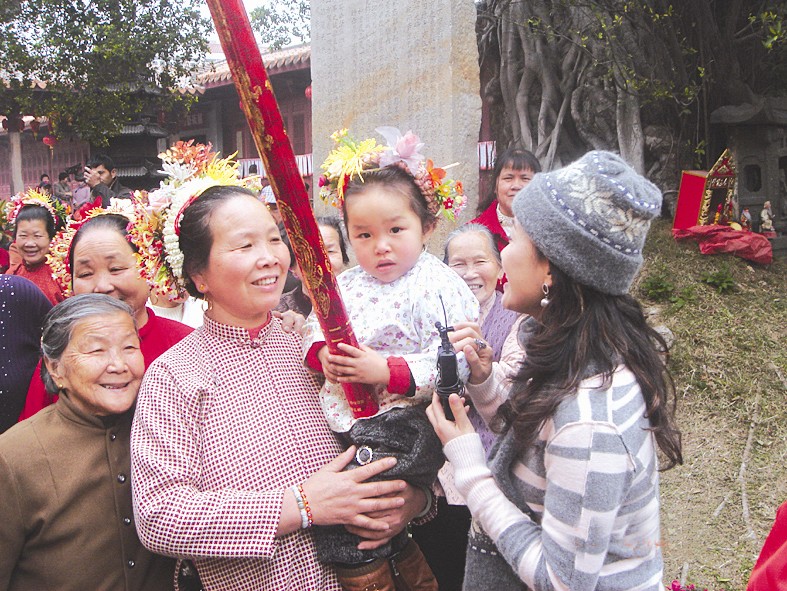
{"x":708,"y":197}
{"x":708,"y":211}
{"x":756,"y":134}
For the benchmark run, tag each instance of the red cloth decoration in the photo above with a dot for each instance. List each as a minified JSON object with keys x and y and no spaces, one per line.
{"x":399,"y":382}
{"x":770,"y":572}
{"x":723,"y":239}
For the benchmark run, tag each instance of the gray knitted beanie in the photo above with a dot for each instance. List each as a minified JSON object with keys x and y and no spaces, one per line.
{"x":590,"y":219}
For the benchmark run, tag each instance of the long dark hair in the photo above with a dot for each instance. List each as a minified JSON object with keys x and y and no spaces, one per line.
{"x":583,"y":332}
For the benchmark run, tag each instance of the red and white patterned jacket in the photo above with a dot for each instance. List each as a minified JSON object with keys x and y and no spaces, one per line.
{"x":225,"y":424}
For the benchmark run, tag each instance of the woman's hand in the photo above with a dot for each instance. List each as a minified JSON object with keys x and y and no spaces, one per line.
{"x":362,"y":366}
{"x":447,"y":430}
{"x":291,"y":321}
{"x":467,"y":338}
{"x":397,"y":519}
{"x":344,"y":498}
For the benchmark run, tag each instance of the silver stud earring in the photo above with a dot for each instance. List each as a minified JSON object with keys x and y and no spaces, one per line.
{"x":545,"y":299}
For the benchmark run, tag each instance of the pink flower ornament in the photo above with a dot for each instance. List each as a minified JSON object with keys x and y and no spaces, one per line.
{"x":401,"y":148}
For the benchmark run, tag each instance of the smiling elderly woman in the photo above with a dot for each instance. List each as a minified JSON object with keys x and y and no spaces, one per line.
{"x":34,"y":227}
{"x":66,"y":519}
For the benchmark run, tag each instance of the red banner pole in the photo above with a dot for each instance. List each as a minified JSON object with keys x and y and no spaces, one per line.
{"x":262,"y":112}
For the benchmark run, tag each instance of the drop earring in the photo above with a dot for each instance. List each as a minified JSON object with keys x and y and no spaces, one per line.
{"x":545,"y":299}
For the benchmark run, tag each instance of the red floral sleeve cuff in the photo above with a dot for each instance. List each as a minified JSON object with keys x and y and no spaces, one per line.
{"x":401,"y":380}
{"x":312,"y":361}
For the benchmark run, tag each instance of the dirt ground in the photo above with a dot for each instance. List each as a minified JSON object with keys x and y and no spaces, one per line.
{"x":729,"y":362}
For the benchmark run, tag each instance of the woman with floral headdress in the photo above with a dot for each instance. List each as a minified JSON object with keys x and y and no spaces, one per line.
{"x":97,"y":255}
{"x":232,"y":458}
{"x":36,"y":219}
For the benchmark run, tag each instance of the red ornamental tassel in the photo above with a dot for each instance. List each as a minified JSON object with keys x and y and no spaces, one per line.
{"x":262,"y":112}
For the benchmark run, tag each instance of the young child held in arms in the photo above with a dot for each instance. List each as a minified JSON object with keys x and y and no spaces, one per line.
{"x":391,"y":198}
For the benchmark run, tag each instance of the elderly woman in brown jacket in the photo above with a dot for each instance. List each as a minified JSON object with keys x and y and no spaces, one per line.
{"x":66,"y":519}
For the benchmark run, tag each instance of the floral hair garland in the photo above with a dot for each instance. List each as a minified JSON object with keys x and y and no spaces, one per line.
{"x":60,"y":247}
{"x":191,"y":170}
{"x":6,"y":229}
{"x":350,"y":159}
{"x":34,"y":197}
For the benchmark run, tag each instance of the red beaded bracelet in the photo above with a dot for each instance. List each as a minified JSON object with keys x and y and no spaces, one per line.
{"x":306,"y":506}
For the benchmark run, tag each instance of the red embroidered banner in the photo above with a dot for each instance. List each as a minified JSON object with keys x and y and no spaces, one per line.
{"x":262,"y":112}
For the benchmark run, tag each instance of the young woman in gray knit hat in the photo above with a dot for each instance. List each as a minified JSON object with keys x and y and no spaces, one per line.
{"x":568,"y":498}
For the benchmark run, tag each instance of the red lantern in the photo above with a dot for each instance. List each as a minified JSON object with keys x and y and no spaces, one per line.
{"x":21,"y":125}
{"x":50,"y":140}
{"x":308,"y":92}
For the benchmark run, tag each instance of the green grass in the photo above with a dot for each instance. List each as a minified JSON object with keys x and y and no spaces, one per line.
{"x":729,"y":318}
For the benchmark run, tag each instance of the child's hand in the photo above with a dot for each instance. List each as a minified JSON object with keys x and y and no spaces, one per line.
{"x":291,"y":321}
{"x":361,"y":366}
{"x":447,"y":430}
{"x":328,"y":369}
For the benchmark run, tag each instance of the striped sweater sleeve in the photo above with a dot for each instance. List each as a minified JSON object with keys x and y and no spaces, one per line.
{"x":588,"y":473}
{"x":491,"y":393}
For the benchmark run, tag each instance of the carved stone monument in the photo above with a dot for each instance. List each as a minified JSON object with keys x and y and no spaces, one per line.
{"x":408,"y":64}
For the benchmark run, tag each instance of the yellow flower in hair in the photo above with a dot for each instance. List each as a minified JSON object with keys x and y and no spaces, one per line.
{"x":34,"y":197}
{"x":350,"y":158}
{"x":223,"y":170}
{"x":347,"y":161}
{"x":340,"y":134}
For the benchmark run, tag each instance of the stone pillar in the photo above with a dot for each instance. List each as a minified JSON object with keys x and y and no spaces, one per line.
{"x":15,"y":158}
{"x":409,"y":64}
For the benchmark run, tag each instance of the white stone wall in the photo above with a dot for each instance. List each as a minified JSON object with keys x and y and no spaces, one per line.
{"x":411,"y":64}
